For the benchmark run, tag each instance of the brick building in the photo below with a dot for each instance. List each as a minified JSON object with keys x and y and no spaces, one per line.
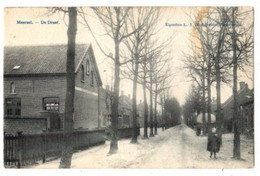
{"x":247,"y":111}
{"x":125,"y":111}
{"x":124,"y":108}
{"x":105,"y":106}
{"x":243,"y":93}
{"x":35,"y":85}
{"x":140,"y":111}
{"x":140,"y":114}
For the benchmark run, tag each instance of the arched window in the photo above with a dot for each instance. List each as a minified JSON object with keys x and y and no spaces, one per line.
{"x":82,"y":73}
{"x":92,"y":78}
{"x":12,"y":87}
{"x":87,"y":66}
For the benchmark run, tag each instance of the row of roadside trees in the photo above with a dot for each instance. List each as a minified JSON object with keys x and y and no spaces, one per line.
{"x":138,"y":54}
{"x":222,"y":43}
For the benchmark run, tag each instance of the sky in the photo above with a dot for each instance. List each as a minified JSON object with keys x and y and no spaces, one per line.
{"x":46,"y":34}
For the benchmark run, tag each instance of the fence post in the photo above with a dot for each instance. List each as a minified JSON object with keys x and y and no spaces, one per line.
{"x":5,"y":148}
{"x":44,"y":145}
{"x":20,"y":148}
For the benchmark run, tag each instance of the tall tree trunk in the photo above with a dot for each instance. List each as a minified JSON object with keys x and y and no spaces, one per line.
{"x":145,"y":109}
{"x":134,"y":126}
{"x":218,"y":86}
{"x":218,"y":115}
{"x":151,"y":112}
{"x":67,"y":150}
{"x":161,"y":99}
{"x":203,"y":103}
{"x":164,"y":114}
{"x":155,"y":110}
{"x":236,"y":149}
{"x":114,"y":120}
{"x":151,"y":100}
{"x":209,"y":101}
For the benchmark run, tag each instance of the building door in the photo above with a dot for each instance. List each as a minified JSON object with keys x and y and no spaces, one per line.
{"x":13,"y":107}
{"x":55,"y":121}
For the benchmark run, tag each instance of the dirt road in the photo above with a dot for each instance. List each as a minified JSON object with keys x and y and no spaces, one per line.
{"x":177,"y":147}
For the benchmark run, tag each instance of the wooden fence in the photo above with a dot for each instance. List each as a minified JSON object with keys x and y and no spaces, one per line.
{"x":21,"y":150}
{"x":12,"y":150}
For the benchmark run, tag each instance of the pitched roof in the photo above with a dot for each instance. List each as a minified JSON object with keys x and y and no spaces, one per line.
{"x":249,"y":99}
{"x":44,"y":59}
{"x":39,"y":59}
{"x":230,"y":99}
{"x":125,"y":101}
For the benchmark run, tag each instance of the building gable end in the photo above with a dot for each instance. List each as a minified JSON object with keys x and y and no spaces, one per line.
{"x":89,"y":52}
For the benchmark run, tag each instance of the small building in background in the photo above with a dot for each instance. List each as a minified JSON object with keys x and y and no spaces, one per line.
{"x":245,"y":107}
{"x":124,"y":108}
{"x":140,"y":114}
{"x":247,"y":114}
{"x":125,"y":111}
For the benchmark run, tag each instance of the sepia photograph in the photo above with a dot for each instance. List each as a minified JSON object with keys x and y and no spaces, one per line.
{"x":115,"y":87}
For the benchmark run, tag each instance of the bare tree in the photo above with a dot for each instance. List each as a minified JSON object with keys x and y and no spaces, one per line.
{"x":67,"y":149}
{"x":242,"y":52}
{"x":143,"y":76}
{"x":192,"y":105}
{"x":164,"y":95}
{"x":219,"y":50}
{"x":162,"y":80}
{"x":236,"y":149}
{"x":222,"y":42}
{"x":115,"y":21}
{"x":213,"y":41}
{"x":158,"y":59}
{"x":145,"y":79}
{"x":156,"y":53}
{"x":143,"y":82}
{"x":200,"y":63}
{"x":144,"y":19}
{"x":145,"y":45}
{"x":151,"y":68}
{"x":196,"y":65}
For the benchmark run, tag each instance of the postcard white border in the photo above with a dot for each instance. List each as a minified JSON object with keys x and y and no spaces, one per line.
{"x":150,"y":172}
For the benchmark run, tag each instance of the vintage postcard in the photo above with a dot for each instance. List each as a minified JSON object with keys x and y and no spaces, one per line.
{"x":128,"y":87}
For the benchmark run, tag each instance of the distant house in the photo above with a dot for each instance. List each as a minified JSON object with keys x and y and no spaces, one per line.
{"x":247,"y":111}
{"x":140,"y":112}
{"x":124,"y":108}
{"x":125,"y":111}
{"x":245,"y":106}
{"x":35,"y":85}
{"x":105,"y":106}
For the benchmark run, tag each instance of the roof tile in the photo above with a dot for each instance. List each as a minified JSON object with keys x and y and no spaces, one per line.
{"x":39,"y":59}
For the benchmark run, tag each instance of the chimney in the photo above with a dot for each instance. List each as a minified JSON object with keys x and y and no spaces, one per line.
{"x":213,"y":100}
{"x":242,"y":84}
{"x":141,"y":102}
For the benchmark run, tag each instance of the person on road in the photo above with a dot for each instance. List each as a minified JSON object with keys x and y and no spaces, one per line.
{"x":213,"y":143}
{"x":198,"y":131}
